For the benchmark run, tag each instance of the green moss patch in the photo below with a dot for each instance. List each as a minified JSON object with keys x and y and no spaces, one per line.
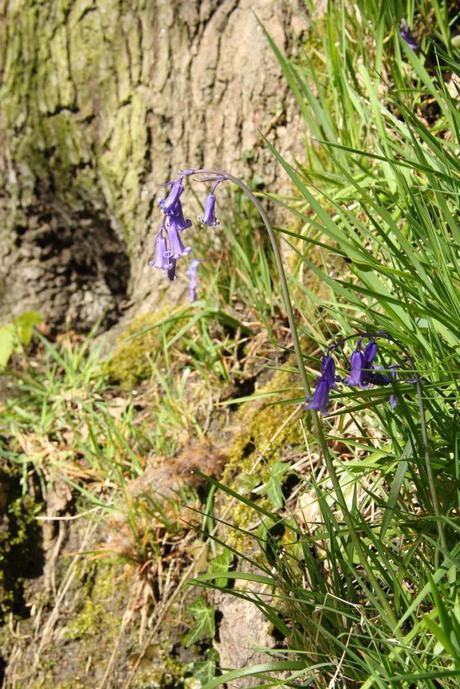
{"x":21,"y":556}
{"x":138,"y":346}
{"x":265,"y":431}
{"x":267,"y":435}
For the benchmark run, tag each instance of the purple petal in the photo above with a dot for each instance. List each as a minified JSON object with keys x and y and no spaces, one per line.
{"x":167,"y":204}
{"x":209,"y":217}
{"x":175,"y":243}
{"x":375,"y":377}
{"x":176,"y":217}
{"x":406,"y":35}
{"x":369,"y":354}
{"x":320,"y":397}
{"x":328,"y":370}
{"x":356,"y":366}
{"x":162,"y":257}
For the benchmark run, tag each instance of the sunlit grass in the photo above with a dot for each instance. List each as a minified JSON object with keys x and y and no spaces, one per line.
{"x":374,"y":246}
{"x":377,"y":201}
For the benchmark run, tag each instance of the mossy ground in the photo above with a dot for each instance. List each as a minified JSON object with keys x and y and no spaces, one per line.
{"x":136,"y":349}
{"x":90,"y":622}
{"x":90,"y":615}
{"x":21,"y":557}
{"x":269,"y":432}
{"x":265,"y":429}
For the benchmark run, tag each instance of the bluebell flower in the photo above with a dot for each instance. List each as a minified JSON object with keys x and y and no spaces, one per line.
{"x":176,"y":217}
{"x":168,"y":204}
{"x":328,"y":369}
{"x":176,"y":245}
{"x":320,"y":397}
{"x":364,"y":372}
{"x":193,"y":278}
{"x":162,"y":258}
{"x":361,"y":364}
{"x":369,"y":353}
{"x":356,"y":369}
{"x":406,"y":35}
{"x":367,"y":370}
{"x":374,"y":376}
{"x":324,"y":384}
{"x":209,"y":217}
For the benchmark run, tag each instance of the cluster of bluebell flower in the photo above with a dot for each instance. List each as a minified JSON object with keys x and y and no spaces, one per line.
{"x":364,"y":373}
{"x":169,"y":246}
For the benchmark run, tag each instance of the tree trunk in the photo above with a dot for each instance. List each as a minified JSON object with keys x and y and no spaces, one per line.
{"x":100,"y":102}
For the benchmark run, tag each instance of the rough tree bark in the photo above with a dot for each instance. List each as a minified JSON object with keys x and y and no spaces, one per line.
{"x":100,"y":100}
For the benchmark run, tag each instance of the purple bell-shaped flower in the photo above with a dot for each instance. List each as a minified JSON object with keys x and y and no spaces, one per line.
{"x":209,"y":216}
{"x":356,"y":369}
{"x":406,"y":35}
{"x":168,"y":204}
{"x":320,"y":397}
{"x":367,"y":370}
{"x":369,"y":354}
{"x":324,"y":384}
{"x":176,"y":218}
{"x":376,"y":376}
{"x":162,"y":258}
{"x":176,"y":245}
{"x":328,"y":370}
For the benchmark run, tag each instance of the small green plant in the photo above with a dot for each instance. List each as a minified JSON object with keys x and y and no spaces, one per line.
{"x":203,"y":626}
{"x":17,"y":335}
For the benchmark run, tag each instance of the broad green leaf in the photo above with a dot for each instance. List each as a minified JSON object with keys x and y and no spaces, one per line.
{"x":25,"y":324}
{"x":205,"y":671}
{"x":204,"y":625}
{"x":221,"y":564}
{"x":272,"y":488}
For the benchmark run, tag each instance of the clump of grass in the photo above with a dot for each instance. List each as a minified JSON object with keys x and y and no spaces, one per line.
{"x":366,"y":592}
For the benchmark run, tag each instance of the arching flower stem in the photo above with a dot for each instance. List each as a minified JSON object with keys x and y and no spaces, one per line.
{"x":219,"y":176}
{"x":213,"y":175}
